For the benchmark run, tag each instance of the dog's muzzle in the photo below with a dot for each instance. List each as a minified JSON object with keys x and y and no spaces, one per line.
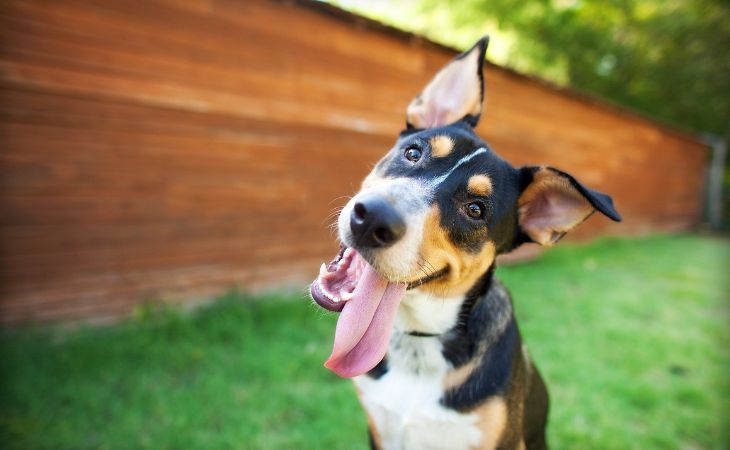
{"x":375,"y":223}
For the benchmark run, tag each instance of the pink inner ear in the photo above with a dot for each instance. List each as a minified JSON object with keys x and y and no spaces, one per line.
{"x":454,"y":93}
{"x":551,"y":209}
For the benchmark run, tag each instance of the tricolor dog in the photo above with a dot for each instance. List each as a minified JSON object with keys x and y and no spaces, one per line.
{"x":425,"y":329}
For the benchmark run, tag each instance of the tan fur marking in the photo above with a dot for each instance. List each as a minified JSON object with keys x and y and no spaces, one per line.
{"x":480,"y":185}
{"x":441,"y":146}
{"x":492,"y":420}
{"x":438,"y":251}
{"x":545,"y":180}
{"x":528,"y":367}
{"x":457,"y":377}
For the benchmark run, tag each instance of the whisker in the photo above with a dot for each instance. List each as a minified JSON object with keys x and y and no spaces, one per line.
{"x":333,"y":214}
{"x":422,"y":267}
{"x":348,"y":197}
{"x":335,"y":211}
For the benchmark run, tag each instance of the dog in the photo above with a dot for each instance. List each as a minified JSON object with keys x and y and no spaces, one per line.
{"x":425,"y":329}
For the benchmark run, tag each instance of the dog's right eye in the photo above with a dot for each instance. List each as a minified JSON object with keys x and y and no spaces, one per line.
{"x":475,"y":210}
{"x":413,"y":153}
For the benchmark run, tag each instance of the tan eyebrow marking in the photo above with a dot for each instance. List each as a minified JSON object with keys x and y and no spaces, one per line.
{"x":441,"y":146}
{"x":480,"y":185}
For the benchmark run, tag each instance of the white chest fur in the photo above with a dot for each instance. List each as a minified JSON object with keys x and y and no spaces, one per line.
{"x":404,"y":403}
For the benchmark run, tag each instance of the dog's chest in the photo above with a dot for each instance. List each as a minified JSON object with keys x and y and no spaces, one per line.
{"x":404,"y":404}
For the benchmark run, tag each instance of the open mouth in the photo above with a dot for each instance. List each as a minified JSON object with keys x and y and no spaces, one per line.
{"x":367,"y":303}
{"x":337,"y":280}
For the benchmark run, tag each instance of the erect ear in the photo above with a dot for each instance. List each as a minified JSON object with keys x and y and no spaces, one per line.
{"x":552,"y":203}
{"x":456,"y":92}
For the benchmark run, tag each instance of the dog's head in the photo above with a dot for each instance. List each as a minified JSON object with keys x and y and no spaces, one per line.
{"x":435,"y":212}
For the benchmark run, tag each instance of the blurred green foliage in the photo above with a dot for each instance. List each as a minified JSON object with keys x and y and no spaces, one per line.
{"x":669,"y":59}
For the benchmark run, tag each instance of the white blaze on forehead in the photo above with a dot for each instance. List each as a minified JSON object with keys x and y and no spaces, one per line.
{"x":440,"y":179}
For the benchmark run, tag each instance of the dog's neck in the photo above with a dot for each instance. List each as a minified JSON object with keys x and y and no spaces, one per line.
{"x":461,"y":324}
{"x":433,"y":335}
{"x":424,"y":314}
{"x":421,"y":314}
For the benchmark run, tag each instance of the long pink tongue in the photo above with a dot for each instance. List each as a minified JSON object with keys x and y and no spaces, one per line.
{"x":365,"y":325}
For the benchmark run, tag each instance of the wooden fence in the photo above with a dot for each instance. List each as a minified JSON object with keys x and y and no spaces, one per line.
{"x":169,"y":149}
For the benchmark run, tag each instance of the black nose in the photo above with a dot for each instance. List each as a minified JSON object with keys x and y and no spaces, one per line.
{"x":375,"y":223}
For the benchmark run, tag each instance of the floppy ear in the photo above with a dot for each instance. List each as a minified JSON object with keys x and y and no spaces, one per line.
{"x":456,"y":92}
{"x":552,"y":203}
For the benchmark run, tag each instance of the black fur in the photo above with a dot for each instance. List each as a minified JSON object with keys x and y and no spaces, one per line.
{"x":486,"y":333}
{"x":459,"y":344}
{"x":500,"y":224}
{"x":485,"y":324}
{"x":379,"y":370}
{"x":492,"y":375}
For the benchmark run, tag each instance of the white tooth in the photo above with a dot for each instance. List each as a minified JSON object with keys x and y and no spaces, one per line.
{"x":347,"y":295}
{"x":347,"y":253}
{"x":326,"y":292}
{"x":323,"y":269}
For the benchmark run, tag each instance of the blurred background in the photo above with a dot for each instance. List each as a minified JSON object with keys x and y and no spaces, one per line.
{"x":163,"y":155}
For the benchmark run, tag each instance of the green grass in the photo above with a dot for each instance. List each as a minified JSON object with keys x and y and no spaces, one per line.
{"x":631,"y":335}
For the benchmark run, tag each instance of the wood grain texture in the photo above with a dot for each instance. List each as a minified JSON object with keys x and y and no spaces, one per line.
{"x":168,"y":150}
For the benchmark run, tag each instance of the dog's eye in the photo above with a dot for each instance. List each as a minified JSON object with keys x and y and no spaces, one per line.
{"x":413,"y":153}
{"x":475,"y":210}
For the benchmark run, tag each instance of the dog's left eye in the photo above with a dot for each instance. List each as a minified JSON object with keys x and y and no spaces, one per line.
{"x":413,"y":153}
{"x":475,"y":210}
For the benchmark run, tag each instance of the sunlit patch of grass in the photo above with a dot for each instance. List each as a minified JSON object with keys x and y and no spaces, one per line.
{"x":630,"y":334}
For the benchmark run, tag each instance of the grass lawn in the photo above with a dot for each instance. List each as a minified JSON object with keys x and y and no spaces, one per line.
{"x":631,"y":335}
